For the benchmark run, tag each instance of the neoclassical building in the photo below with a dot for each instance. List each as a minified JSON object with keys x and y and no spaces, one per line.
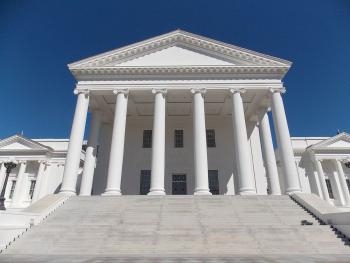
{"x":39,"y":168}
{"x":180,"y":114}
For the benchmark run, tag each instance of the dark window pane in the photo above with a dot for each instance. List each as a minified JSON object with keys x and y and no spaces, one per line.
{"x":348,"y":184}
{"x":211,"y":138}
{"x":179,"y":138}
{"x":147,"y":139}
{"x":329,"y":187}
{"x":31,"y":188}
{"x":213,"y":181}
{"x":145,"y":181}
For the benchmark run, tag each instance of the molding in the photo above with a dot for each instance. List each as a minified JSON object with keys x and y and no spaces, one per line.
{"x":182,"y":39}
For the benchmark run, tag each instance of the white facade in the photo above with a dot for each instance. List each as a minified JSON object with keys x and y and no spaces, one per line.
{"x":189,"y":84}
{"x":324,"y":167}
{"x":39,"y":170}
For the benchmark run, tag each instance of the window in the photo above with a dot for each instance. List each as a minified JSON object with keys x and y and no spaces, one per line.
{"x":31,"y":188}
{"x":211,"y":138}
{"x":348,"y":184}
{"x":213,"y":181}
{"x":329,"y":187}
{"x":179,"y":184}
{"x":145,"y":182}
{"x":179,"y":138}
{"x":147,"y":139}
{"x":12,"y":190}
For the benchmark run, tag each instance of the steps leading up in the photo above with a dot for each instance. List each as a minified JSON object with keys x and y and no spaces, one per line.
{"x":168,"y":226}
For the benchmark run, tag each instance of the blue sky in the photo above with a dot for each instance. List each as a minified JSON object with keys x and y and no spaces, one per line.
{"x":39,"y":38}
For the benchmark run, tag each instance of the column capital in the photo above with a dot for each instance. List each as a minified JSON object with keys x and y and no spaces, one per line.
{"x":238,"y":90}
{"x":22,"y":162}
{"x":198,"y":90}
{"x":162,"y":91}
{"x":81,"y":91}
{"x":123,"y":91}
{"x":279,"y":90}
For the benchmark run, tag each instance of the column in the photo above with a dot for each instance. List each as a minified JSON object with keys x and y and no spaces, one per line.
{"x":200,"y":144}
{"x":44,"y":179}
{"x":17,"y":194}
{"x":2,"y":175}
{"x":342,"y":181}
{"x":158,"y":144}
{"x":39,"y":179}
{"x":269,"y":155}
{"x":284,"y":143}
{"x":90,"y":155}
{"x":117,"y":144}
{"x":246,"y":181}
{"x":322,"y":180}
{"x":75,"y":143}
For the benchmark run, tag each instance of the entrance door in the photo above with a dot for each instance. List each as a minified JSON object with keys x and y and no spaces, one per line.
{"x":179,"y":184}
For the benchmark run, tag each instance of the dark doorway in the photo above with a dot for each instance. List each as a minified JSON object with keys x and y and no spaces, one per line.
{"x":179,"y":184}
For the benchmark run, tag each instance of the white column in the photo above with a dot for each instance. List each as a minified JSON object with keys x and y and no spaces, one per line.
{"x":322,"y":181}
{"x":20,"y":181}
{"x":117,"y":145}
{"x":44,"y":179}
{"x":90,"y":155}
{"x":39,"y":179}
{"x":284,"y":143}
{"x":246,"y":181}
{"x":2,"y":175}
{"x":269,"y":155}
{"x":200,"y":144}
{"x":75,"y":143}
{"x":342,"y":181}
{"x":158,"y":144}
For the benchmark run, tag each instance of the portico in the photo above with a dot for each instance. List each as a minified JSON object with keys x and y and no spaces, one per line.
{"x":201,"y":88}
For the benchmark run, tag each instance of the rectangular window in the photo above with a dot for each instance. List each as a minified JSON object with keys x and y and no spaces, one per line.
{"x":348,"y":184}
{"x":179,"y":184}
{"x":145,"y":181}
{"x":179,"y":138}
{"x":31,"y":188}
{"x":12,"y":190}
{"x":211,"y":138}
{"x":329,"y":187}
{"x":147,"y":139}
{"x":213,"y":181}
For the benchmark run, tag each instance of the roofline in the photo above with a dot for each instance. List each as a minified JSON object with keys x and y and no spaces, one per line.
{"x":72,"y":65}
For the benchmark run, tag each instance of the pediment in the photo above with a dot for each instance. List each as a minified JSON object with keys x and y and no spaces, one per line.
{"x":340,"y":141}
{"x":20,"y":143}
{"x":179,"y":48}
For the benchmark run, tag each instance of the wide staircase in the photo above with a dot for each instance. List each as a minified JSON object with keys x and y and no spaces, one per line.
{"x":179,"y":227}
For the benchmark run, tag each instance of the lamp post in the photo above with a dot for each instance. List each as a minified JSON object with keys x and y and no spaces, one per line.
{"x":9,"y":166}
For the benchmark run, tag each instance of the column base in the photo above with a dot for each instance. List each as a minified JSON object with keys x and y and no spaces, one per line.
{"x":202,"y":192}
{"x":156,"y":192}
{"x":247,"y":192}
{"x":112,"y":192}
{"x":68,"y":192}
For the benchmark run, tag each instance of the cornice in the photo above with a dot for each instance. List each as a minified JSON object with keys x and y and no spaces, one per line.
{"x":178,"y":38}
{"x":182,"y":71}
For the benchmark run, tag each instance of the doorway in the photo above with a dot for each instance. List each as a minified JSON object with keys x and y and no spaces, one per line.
{"x":179,"y":184}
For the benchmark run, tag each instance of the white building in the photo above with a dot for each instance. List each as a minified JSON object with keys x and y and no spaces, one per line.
{"x":39,"y":170}
{"x":179,"y":114}
{"x":154,"y":103}
{"x":324,"y":167}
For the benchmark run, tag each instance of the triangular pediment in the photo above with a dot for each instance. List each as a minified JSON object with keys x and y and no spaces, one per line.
{"x":340,"y":141}
{"x":20,"y":143}
{"x":179,"y":48}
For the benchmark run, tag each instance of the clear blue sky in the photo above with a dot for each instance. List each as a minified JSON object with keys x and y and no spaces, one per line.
{"x":39,"y":38}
